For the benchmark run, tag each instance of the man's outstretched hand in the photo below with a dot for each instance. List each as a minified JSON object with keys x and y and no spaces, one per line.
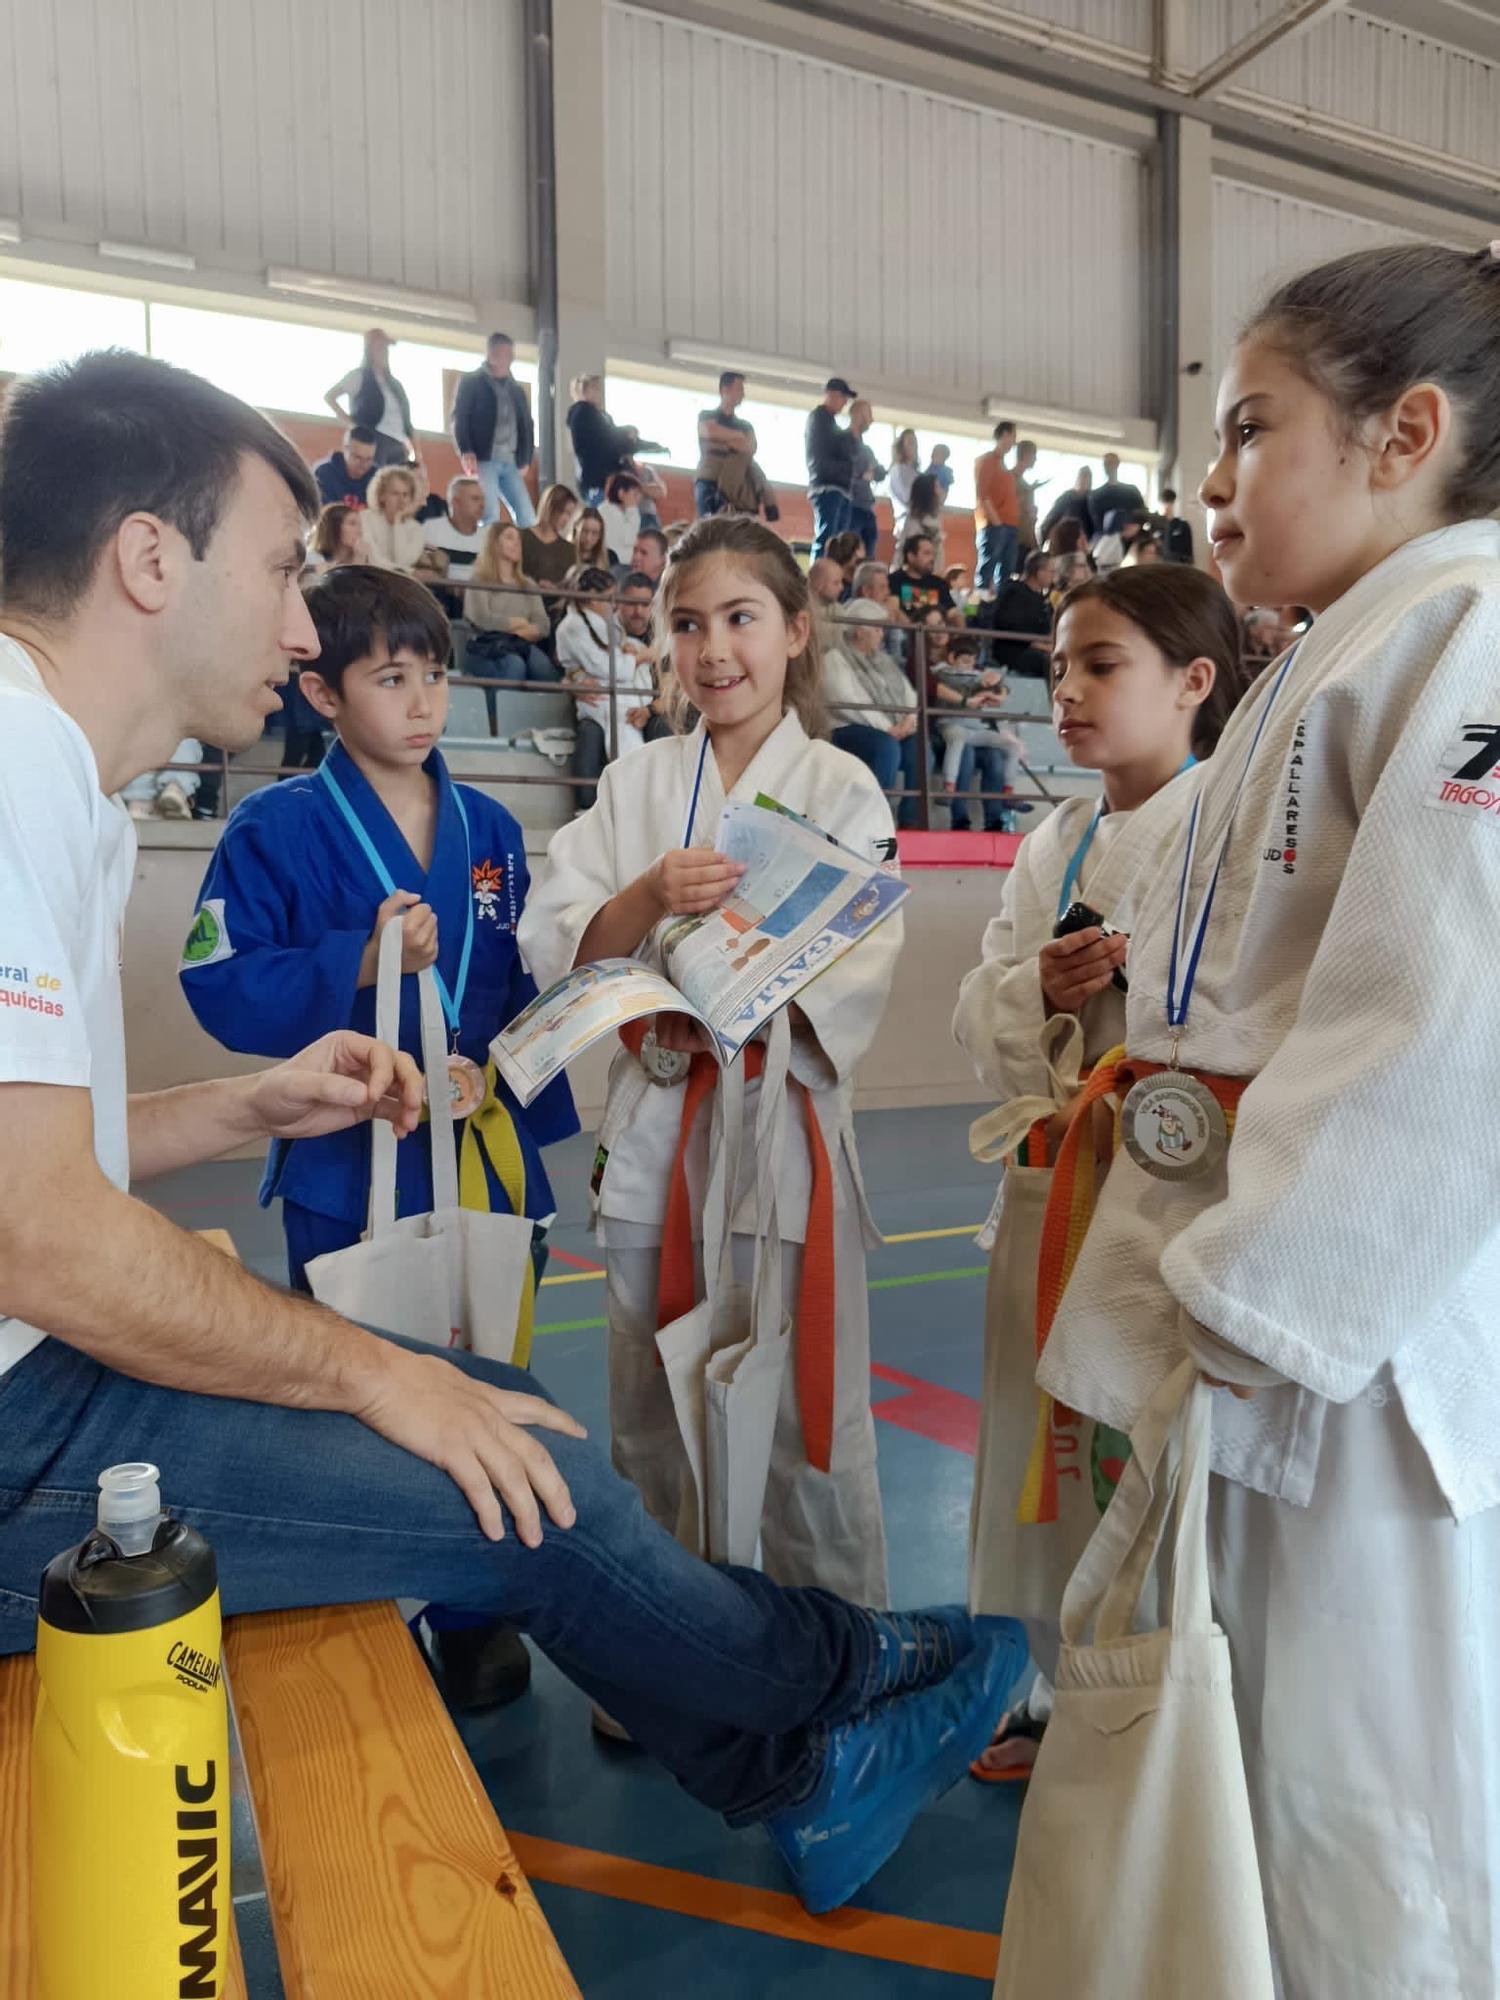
{"x":338,"y":1081}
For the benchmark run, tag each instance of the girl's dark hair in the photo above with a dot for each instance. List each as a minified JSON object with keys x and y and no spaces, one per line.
{"x":925,"y":498}
{"x":741,"y":539}
{"x":356,"y":606}
{"x":1068,"y":537}
{"x":1187,"y":617}
{"x":1366,"y":327}
{"x":618,"y":483}
{"x":845,"y":548}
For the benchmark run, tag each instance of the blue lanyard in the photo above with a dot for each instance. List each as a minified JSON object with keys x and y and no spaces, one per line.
{"x":1075,"y":866}
{"x":687,"y":831}
{"x":452,"y":1004}
{"x":1177,"y":1001}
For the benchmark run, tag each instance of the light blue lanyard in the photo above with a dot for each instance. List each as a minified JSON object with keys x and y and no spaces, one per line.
{"x":1177,"y":1002}
{"x":1075,"y":866}
{"x":452,"y":1004}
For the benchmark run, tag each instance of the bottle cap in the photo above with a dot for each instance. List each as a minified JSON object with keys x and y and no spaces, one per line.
{"x":130,"y":1506}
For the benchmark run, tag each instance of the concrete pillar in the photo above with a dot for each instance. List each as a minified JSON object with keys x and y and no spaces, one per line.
{"x":1190,"y":191}
{"x":578,"y":122}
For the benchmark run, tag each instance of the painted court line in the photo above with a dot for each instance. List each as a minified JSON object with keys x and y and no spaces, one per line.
{"x":861,"y":1933}
{"x":946,"y":1416}
{"x":875,"y":1285}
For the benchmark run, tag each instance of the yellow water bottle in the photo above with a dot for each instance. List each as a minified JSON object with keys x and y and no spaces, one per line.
{"x":130,"y":1761}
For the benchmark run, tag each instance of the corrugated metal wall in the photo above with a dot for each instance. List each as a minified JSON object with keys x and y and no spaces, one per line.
{"x":376,"y":139}
{"x":1124,"y":24}
{"x":1369,"y":73}
{"x":762,"y":200}
{"x":1261,"y":238}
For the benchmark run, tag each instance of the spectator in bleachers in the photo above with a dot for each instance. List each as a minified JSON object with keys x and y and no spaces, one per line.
{"x":1176,"y":534}
{"x":601,"y":447}
{"x":872,"y":584}
{"x":830,"y":463}
{"x":454,"y":541}
{"x":1076,"y":567}
{"x":868,"y":473}
{"x":1024,"y":606}
{"x":924,"y":516}
{"x":825,"y":590}
{"x":493,"y":432}
{"x":511,"y":624}
{"x":648,"y":555}
{"x":620,"y":511}
{"x":727,"y":474}
{"x":997,"y":511}
{"x":960,"y":583}
{"x":1075,"y":505}
{"x":371,"y":397}
{"x":634,"y":605}
{"x":914,"y":586}
{"x":941,"y":470}
{"x":1116,"y":495}
{"x":905,"y":465}
{"x":393,"y":539}
{"x":1144,"y":550}
{"x":975,"y":740}
{"x":1068,"y":539}
{"x":848,"y":551}
{"x":1120,"y":531}
{"x":344,"y":476}
{"x":592,"y":650}
{"x":338,"y":537}
{"x":856,"y":670}
{"x":590,"y":539}
{"x":1026,"y":492}
{"x":545,"y":548}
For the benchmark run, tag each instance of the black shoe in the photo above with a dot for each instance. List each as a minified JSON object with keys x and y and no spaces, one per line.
{"x":482,"y":1669}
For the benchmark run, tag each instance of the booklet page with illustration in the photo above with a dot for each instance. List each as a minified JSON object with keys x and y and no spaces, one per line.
{"x":803,"y":901}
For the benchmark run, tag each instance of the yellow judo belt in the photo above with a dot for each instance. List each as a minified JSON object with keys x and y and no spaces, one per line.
{"x":489,"y":1135}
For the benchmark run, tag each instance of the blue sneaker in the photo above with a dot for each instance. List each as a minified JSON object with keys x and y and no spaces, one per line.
{"x":885,"y":1765}
{"x":916,"y":1648}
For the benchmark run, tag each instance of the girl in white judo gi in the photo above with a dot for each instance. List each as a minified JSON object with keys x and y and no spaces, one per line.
{"x":1335,"y":904}
{"x":1145,"y":672}
{"x":733,"y":620}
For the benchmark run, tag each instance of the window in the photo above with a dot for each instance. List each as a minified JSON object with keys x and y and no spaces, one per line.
{"x":44,"y":324}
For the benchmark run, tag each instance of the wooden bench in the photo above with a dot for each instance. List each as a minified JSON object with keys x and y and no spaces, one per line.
{"x":387,"y":1873}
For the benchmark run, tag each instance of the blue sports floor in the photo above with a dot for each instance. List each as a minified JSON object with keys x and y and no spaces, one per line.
{"x":585,"y":1814}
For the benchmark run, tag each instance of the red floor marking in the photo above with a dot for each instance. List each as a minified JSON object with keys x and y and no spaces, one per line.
{"x":943,"y":1415}
{"x":567,"y":1257}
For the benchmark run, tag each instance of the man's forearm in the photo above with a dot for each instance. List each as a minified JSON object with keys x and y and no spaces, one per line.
{"x":193,"y":1123}
{"x":113,"y":1278}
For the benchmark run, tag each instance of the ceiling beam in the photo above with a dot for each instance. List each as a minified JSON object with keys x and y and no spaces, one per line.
{"x":1291,"y":19}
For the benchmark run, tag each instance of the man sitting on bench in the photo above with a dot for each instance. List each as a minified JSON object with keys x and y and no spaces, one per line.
{"x":152,"y":529}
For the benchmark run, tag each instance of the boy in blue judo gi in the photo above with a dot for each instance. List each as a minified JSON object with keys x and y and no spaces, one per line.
{"x":284,"y":944}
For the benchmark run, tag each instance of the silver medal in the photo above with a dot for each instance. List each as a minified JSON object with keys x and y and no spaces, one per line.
{"x":1173,"y":1127}
{"x":663,"y":1066}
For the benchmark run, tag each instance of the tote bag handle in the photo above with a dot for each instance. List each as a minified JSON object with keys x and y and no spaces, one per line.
{"x":439,"y":1106}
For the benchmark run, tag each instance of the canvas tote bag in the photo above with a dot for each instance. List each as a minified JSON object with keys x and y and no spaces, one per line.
{"x":454,"y":1276}
{"x":1135,"y":1874}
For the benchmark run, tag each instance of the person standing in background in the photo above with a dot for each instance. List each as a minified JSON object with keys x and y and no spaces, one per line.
{"x":997,"y":511}
{"x":1116,"y":495}
{"x":941,"y":470}
{"x":1077,"y":504}
{"x":377,"y":401}
{"x":868,"y":472}
{"x":727,"y":474}
{"x":493,"y":432}
{"x":830,"y":463}
{"x":1176,"y":535}
{"x":905,"y":465}
{"x":601,"y":447}
{"x":1026,"y":492}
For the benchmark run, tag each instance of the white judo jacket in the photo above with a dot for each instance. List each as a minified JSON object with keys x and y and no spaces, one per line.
{"x":640,"y":814}
{"x":1352,"y":971}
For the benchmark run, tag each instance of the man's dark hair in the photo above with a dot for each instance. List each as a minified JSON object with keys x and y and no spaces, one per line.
{"x":654,"y":535}
{"x":1037,"y":561}
{"x":112,"y":434}
{"x":1168,"y":493}
{"x":638,"y":580}
{"x":910,"y":546}
{"x":1005,"y":424}
{"x":356,"y":607}
{"x":728,"y":379}
{"x":361,"y":434}
{"x":499,"y":340}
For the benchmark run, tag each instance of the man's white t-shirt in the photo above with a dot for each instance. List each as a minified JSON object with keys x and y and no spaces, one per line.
{"x":461,"y":550}
{"x":67,"y":856}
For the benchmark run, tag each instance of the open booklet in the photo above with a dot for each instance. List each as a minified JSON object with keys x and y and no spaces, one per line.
{"x":803,"y":901}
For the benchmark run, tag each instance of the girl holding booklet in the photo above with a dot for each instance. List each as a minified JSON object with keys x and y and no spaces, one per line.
{"x":734,"y":621}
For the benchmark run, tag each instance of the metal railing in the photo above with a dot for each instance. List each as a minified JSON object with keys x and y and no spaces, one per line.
{"x":613,"y":690}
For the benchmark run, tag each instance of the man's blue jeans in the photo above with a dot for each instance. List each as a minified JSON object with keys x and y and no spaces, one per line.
{"x":501,"y":480}
{"x":707,"y":498}
{"x":730,"y":1680}
{"x":862,"y":521}
{"x":893,"y":763}
{"x":999,"y":556}
{"x":832,"y":514}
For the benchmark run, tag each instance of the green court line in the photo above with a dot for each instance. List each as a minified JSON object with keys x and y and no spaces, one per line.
{"x":876,"y":1285}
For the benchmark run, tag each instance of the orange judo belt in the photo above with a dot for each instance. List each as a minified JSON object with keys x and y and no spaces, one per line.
{"x":1070,"y":1209}
{"x":813,"y":1356}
